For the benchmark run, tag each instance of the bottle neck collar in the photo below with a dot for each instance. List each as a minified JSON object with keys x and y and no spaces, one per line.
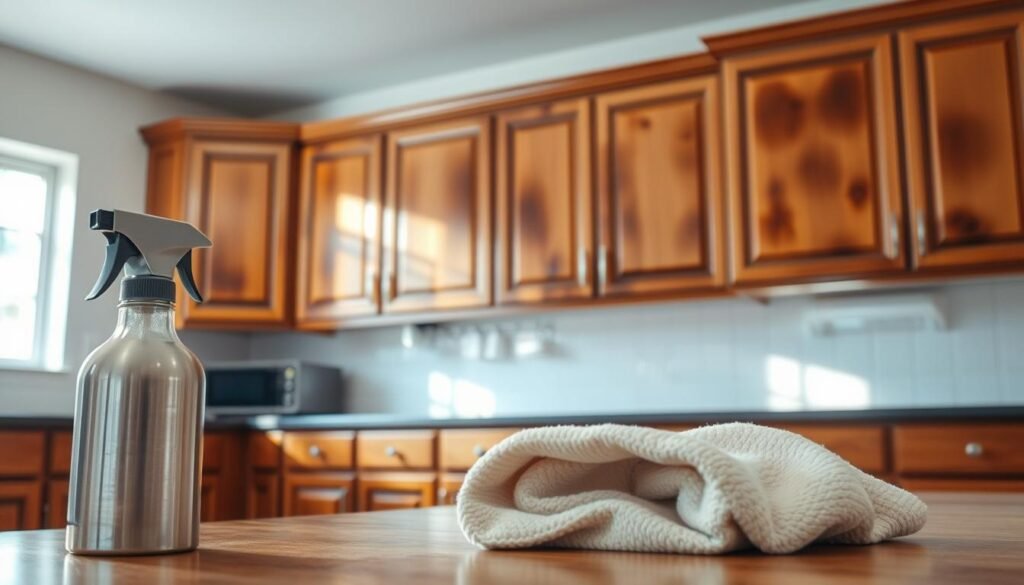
{"x":148,"y":318}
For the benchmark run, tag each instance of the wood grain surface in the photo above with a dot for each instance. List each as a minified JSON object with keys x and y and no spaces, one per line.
{"x":969,"y":538}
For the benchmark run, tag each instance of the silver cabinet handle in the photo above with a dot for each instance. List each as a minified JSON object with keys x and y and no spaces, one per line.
{"x":391,"y":451}
{"x":389,"y":284}
{"x":973,"y":449}
{"x":894,"y":236}
{"x":582,"y":259}
{"x":315,"y":452}
{"x":602,"y":266}
{"x":372,"y":285}
{"x":479,"y":450}
{"x":922,"y":234}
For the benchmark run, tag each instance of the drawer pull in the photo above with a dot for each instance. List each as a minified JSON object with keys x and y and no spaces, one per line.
{"x":315,"y":451}
{"x":391,"y":451}
{"x":479,"y":450}
{"x":973,"y":449}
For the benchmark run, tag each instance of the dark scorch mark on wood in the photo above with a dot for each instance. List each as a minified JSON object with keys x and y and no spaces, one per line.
{"x":777,"y":223}
{"x":533,"y":223}
{"x":778,"y":113}
{"x":858,"y":192}
{"x":841,"y":100}
{"x":819,"y":169}
{"x":963,"y":224}
{"x":964,"y":144}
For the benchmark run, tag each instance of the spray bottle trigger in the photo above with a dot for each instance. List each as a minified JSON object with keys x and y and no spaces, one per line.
{"x":119,"y":250}
{"x":188,"y":281}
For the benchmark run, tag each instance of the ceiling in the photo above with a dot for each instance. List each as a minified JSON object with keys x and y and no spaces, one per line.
{"x":260,"y":56}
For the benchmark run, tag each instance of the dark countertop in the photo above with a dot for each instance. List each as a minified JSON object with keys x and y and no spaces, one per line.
{"x":399,"y":421}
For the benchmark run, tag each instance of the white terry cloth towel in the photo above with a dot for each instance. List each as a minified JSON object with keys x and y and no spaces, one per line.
{"x":708,"y":490}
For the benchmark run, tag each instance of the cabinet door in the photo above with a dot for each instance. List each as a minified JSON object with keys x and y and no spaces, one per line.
{"x":339,"y":232}
{"x":962,"y":109}
{"x":20,"y":505}
{"x":318,"y":493}
{"x":543,"y":244}
{"x":396,"y":491}
{"x":659,"y":192}
{"x":813,"y":169}
{"x":238,"y":196}
{"x":57,"y":503}
{"x":437,"y":220}
{"x":264,"y":495}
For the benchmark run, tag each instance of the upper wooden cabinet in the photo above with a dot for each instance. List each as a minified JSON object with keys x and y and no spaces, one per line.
{"x":659,"y":190}
{"x":813,"y":165}
{"x":340,"y":207}
{"x":437,"y":224}
{"x":962,"y":110}
{"x":232,"y":180}
{"x":544,"y":238}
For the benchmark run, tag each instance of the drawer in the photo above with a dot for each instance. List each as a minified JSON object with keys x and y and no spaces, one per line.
{"x":396,"y":449}
{"x":60,"y":452}
{"x":22,"y":453}
{"x":460,"y":448}
{"x":959,"y":448}
{"x":862,"y":445}
{"x":265,"y":449}
{"x":319,"y":449}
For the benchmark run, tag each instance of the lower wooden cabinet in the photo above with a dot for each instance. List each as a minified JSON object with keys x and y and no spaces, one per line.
{"x":209,"y":495}
{"x":319,"y":493}
{"x":396,"y":491}
{"x":263,"y":495}
{"x":21,"y":505}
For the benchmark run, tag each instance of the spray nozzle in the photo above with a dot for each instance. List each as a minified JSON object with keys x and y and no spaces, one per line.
{"x":149,"y":248}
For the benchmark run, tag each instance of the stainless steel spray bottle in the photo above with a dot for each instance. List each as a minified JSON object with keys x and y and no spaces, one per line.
{"x":136,"y":458}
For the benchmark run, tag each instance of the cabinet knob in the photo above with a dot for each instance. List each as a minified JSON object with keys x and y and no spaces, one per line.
{"x":391,"y":451}
{"x":479,"y":450}
{"x":973,"y":449}
{"x":315,"y":452}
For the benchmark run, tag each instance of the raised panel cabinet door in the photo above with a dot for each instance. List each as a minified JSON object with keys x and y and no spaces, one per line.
{"x":962,"y":108}
{"x":448,"y":488}
{"x":308,"y":494}
{"x":659,"y":190}
{"x":57,"y":503}
{"x":543,"y":204}
{"x":264,"y":495}
{"x":21,"y":505}
{"x":396,"y":491}
{"x":812,"y":162}
{"x":238,"y":195}
{"x":340,"y":209}
{"x":438,"y":217}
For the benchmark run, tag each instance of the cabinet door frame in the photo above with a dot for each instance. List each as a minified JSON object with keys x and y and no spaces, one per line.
{"x":273,"y":311}
{"x":612,"y":281}
{"x":319,"y":479}
{"x":28,"y":496}
{"x":479,"y":293}
{"x":920,"y":163}
{"x":331,"y":313}
{"x":877,"y":50}
{"x":580,"y":285}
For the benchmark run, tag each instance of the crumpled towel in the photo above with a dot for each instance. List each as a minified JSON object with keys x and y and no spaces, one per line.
{"x":709,"y":490}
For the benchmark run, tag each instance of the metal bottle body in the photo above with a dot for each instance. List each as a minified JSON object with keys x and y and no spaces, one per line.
{"x":136,"y":455}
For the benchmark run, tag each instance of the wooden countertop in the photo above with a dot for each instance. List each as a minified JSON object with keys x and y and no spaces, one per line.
{"x":969,"y":538}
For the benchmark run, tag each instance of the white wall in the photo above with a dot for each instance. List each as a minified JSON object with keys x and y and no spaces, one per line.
{"x":662,"y":44}
{"x":716,"y":355}
{"x":49,"y":104}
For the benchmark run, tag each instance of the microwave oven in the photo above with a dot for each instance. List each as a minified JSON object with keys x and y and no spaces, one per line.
{"x":272,"y":387}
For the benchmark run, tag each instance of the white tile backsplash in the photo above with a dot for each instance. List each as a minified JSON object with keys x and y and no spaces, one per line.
{"x":733,"y":354}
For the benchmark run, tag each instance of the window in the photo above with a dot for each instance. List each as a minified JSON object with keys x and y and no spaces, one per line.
{"x":36,"y":215}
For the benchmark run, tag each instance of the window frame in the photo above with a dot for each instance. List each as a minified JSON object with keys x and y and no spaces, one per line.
{"x":49,"y":174}
{"x":60,"y":171}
